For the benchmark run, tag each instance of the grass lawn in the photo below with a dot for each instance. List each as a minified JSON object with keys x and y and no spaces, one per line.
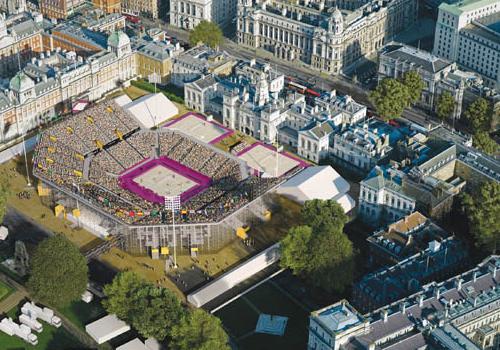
{"x":134,"y":92}
{"x":50,"y":339}
{"x":5,"y":290}
{"x":14,"y":172}
{"x":240,"y":318}
{"x":227,"y":142}
{"x":81,"y":313}
{"x":122,"y":261}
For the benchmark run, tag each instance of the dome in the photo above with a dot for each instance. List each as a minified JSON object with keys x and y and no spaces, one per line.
{"x":118,"y":39}
{"x":21,"y":82}
{"x":337,"y":15}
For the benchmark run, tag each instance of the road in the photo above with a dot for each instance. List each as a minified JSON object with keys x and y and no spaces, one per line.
{"x":294,"y":69}
{"x":299,"y":70}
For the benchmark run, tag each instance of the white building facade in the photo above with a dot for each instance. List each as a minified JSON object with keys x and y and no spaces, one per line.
{"x":33,"y":98}
{"x":468,"y":33}
{"x":188,"y":14}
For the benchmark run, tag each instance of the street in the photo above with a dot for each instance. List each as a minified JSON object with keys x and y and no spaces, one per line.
{"x":300,"y":71}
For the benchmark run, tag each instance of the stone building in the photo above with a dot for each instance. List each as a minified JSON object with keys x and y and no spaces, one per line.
{"x":403,"y":239}
{"x":435,"y":262}
{"x":329,"y":39}
{"x":154,"y":58}
{"x":108,"y":6}
{"x":198,"y":62}
{"x":148,"y":8}
{"x":382,"y":196}
{"x":364,"y":146}
{"x":461,"y":312}
{"x":438,"y":75}
{"x":467,"y":32}
{"x":188,"y":14}
{"x":47,"y":86}
{"x":59,"y":9}
{"x":12,"y":7}
{"x":20,"y":39}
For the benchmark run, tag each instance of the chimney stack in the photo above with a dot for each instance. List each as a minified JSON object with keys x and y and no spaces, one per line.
{"x":385,"y":314}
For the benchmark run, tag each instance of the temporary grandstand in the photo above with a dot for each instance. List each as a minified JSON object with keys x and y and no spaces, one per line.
{"x":99,"y":165}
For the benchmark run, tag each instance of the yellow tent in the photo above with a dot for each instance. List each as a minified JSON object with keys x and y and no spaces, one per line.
{"x":42,"y":191}
{"x":59,"y":209}
{"x":242,"y":232}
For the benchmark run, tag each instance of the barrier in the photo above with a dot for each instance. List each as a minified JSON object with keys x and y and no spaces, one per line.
{"x":235,"y":276}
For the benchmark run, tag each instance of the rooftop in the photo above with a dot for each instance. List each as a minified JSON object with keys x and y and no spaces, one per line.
{"x":337,"y":317}
{"x":419,"y":58}
{"x":461,"y":6}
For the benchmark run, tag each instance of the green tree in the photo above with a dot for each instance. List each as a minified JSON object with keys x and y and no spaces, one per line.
{"x":482,"y":141}
{"x":319,"y":250}
{"x":316,"y":212}
{"x":478,"y":115}
{"x":58,"y":272}
{"x":390,"y":98}
{"x":414,"y":83}
{"x":295,"y":247}
{"x":207,"y":33}
{"x":199,"y":330}
{"x":123,"y":295}
{"x":483,"y":210}
{"x":445,"y":105}
{"x":151,"y":310}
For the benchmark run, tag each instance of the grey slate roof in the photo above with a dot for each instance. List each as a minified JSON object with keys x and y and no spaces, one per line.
{"x":421,"y":59}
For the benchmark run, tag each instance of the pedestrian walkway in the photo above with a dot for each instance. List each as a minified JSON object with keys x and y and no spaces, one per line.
{"x":11,"y":301}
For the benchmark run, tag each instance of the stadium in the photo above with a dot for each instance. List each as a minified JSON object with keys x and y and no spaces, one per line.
{"x":104,"y":172}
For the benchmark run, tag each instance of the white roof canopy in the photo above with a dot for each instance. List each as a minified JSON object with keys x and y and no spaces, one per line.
{"x":150,"y":110}
{"x":318,"y":182}
{"x":106,"y":328}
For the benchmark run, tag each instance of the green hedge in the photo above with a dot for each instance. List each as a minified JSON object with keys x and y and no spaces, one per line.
{"x":144,"y":85}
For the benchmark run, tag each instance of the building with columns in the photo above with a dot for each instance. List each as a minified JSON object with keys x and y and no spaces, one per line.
{"x":327,"y":38}
{"x":254,"y":100}
{"x":50,"y":84}
{"x":188,"y":14}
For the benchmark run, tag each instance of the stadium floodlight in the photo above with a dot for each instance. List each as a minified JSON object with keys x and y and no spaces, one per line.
{"x":173,"y":203}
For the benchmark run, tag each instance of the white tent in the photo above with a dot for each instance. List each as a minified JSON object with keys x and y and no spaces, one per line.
{"x":106,"y":328}
{"x":318,"y":182}
{"x":134,"y":344}
{"x":122,"y":100}
{"x":150,"y":110}
{"x":4,"y":232}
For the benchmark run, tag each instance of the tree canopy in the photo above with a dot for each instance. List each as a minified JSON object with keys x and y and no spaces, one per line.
{"x":445,"y":105}
{"x":414,"y":84}
{"x":478,"y":115}
{"x":198,"y":330}
{"x":390,"y":98}
{"x":319,"y":250}
{"x":151,"y":310}
{"x":483,"y":210}
{"x":482,"y":141}
{"x":207,"y":33}
{"x":59,"y":272}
